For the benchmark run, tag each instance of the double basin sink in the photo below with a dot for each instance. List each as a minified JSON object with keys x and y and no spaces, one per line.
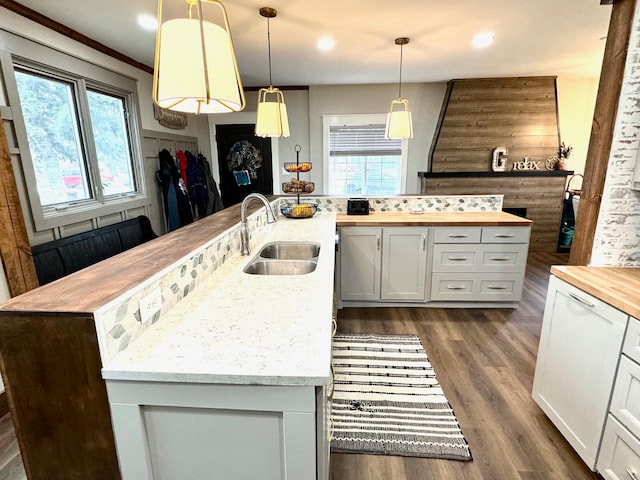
{"x":285,"y":258}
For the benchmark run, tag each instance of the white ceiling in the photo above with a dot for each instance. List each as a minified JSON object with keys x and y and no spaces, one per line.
{"x":533,"y":37}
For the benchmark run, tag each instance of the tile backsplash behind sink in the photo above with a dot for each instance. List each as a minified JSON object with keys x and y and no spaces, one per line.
{"x":461,"y":203}
{"x":119,"y":323}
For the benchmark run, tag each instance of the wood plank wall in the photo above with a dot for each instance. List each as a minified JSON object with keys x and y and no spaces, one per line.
{"x":479,"y":115}
{"x":541,"y":196}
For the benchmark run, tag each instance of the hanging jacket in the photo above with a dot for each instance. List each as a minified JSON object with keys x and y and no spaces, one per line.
{"x":215,"y":201}
{"x":198,"y":192}
{"x":176,"y":202}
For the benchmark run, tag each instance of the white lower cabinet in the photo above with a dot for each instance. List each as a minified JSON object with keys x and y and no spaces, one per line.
{"x":168,"y":431}
{"x":360,"y":263}
{"x":481,"y":264}
{"x":619,"y":457}
{"x":580,"y":345}
{"x":404,"y":264}
{"x":383,"y":264}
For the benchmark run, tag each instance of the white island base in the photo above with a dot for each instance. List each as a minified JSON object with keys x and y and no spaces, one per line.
{"x":170,"y":431}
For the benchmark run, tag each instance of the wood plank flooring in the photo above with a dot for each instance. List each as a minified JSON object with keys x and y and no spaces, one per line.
{"x":484,"y":360}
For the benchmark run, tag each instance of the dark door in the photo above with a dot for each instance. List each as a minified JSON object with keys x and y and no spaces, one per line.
{"x":243,"y":154}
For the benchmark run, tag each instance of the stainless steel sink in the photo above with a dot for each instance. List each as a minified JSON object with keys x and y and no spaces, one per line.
{"x":290,"y":250}
{"x":280,"y":267}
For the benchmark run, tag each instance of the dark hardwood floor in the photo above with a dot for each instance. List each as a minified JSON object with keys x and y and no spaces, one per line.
{"x":484,"y":360}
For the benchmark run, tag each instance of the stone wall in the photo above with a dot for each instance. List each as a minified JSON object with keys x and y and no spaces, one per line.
{"x":617,"y":238}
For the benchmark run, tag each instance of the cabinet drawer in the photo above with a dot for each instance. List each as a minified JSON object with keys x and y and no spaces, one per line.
{"x":625,"y":403}
{"x":505,"y":234}
{"x":457,"y":235}
{"x":483,"y":287}
{"x":619,"y":457}
{"x":479,"y":258}
{"x":631,"y":347}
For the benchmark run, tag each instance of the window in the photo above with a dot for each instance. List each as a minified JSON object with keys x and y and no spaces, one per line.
{"x":360,"y":160}
{"x":68,"y":169}
{"x":78,"y":137}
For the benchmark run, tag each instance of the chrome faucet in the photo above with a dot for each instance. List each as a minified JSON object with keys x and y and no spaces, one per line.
{"x":244,"y":229}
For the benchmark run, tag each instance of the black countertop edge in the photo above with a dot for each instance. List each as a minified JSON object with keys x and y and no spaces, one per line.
{"x":511,"y":173}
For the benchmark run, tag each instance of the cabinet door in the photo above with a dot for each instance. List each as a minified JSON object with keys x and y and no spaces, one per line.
{"x":404,"y":263}
{"x":360,"y":263}
{"x":580,"y":344}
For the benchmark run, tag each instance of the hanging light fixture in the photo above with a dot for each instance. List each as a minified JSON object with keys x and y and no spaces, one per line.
{"x":195,"y":67}
{"x":399,"y":123}
{"x":271,"y":118}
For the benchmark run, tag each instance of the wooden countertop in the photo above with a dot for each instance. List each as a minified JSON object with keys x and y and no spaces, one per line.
{"x":428,"y":219}
{"x":617,"y":286}
{"x":88,"y":289}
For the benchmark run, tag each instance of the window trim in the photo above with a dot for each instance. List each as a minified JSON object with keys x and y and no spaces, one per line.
{"x":85,"y":76}
{"x":356,"y":120}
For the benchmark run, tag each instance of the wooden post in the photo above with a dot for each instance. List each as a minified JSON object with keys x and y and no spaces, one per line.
{"x":15,"y":250}
{"x":604,"y":117}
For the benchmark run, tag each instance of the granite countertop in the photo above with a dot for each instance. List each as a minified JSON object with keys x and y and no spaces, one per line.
{"x":237,"y":328}
{"x":617,"y":286}
{"x":460,"y":219}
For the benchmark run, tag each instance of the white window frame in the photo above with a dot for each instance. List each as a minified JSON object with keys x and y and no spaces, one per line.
{"x":356,"y":120}
{"x":84,"y":75}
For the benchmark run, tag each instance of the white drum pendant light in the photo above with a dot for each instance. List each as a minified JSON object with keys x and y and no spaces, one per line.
{"x":271,"y":117}
{"x":399,"y":124}
{"x":195,"y":69}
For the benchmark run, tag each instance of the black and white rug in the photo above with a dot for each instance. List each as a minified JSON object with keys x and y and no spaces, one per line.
{"x":387,"y":400}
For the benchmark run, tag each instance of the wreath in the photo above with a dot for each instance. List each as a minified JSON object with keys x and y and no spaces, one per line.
{"x":244,"y":156}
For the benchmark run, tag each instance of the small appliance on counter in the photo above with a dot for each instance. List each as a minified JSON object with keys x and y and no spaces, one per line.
{"x":358,"y":206}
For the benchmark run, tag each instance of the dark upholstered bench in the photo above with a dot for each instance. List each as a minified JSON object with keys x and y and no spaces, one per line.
{"x":61,"y":257}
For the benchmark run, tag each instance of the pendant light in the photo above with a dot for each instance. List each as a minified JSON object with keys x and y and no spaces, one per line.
{"x":399,"y":123}
{"x":271,"y":117}
{"x":195,"y":69}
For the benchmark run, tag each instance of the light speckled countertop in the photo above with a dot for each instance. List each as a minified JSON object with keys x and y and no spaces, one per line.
{"x":237,"y":328}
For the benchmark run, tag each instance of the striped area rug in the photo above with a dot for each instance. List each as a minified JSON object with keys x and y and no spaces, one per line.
{"x":387,"y":400}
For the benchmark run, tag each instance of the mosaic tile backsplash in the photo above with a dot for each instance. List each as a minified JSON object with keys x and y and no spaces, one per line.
{"x":462,"y":203}
{"x":119,"y":323}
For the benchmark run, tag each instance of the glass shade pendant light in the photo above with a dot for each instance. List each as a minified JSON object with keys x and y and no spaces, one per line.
{"x":271,"y":117}
{"x":399,"y":124}
{"x":195,"y":69}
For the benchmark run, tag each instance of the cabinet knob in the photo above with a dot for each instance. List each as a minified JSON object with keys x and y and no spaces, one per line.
{"x":631,"y":473}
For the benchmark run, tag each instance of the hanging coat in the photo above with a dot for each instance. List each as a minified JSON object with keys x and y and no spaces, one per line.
{"x":198,"y":192}
{"x":215,"y":201}
{"x":176,"y":202}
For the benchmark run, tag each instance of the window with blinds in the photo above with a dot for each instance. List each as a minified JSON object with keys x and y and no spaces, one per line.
{"x":363,"y":162}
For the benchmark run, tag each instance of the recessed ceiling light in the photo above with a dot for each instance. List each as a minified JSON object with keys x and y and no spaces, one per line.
{"x":482,"y":40}
{"x":148,"y":22}
{"x":326,"y":43}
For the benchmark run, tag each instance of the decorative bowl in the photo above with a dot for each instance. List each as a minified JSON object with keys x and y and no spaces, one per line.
{"x":298,"y":186}
{"x":294,"y":167}
{"x":299,"y":210}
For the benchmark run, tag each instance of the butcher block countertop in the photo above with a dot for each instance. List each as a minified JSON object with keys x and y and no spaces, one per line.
{"x":617,"y":286}
{"x":430,"y":219}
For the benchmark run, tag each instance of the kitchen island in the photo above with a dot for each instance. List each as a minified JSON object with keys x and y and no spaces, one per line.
{"x":239,"y":369}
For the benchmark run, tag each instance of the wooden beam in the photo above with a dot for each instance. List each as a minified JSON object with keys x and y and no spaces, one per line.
{"x":15,"y":251}
{"x":72,"y":34}
{"x":604,"y":117}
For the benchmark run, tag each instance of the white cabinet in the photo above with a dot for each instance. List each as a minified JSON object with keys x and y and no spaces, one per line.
{"x":479,"y":263}
{"x":383,"y":264}
{"x":580,"y":344}
{"x":619,"y":457}
{"x":404,"y":264}
{"x":360,"y":263}
{"x":166,"y":431}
